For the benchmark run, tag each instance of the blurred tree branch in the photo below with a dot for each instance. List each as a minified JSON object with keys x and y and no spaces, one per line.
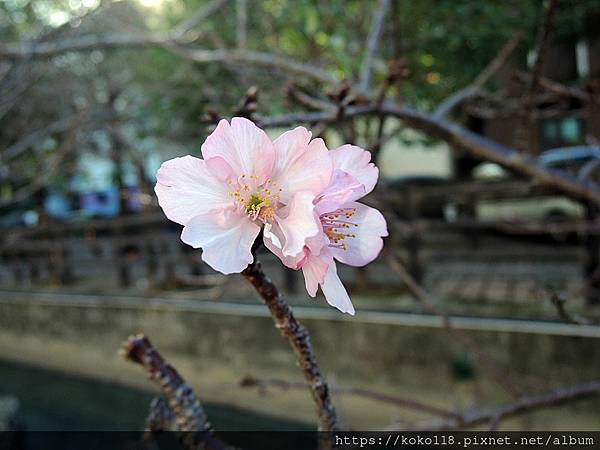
{"x":523,"y":405}
{"x":54,"y":164}
{"x":527,"y":131}
{"x":166,"y":40}
{"x":199,"y":16}
{"x":263,"y":383}
{"x":366,"y":70}
{"x":458,"y":137}
{"x":486,"y":74}
{"x":187,"y":410}
{"x":28,"y":140}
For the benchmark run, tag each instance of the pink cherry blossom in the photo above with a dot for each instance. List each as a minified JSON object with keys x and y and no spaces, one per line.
{"x":245,"y":182}
{"x":349,"y":232}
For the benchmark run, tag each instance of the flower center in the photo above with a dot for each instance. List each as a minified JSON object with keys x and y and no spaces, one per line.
{"x":259,"y":202}
{"x":336,"y":224}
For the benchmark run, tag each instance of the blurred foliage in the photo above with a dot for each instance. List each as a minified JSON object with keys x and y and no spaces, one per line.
{"x":159,"y":95}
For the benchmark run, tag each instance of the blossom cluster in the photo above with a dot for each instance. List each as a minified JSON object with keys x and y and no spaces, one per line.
{"x":300,"y":194}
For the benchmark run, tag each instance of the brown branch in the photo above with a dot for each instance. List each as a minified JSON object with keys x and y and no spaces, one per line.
{"x":160,"y":417}
{"x":459,"y":138}
{"x":53,"y":165}
{"x":397,"y":71}
{"x":242,"y":23}
{"x":261,"y":383}
{"x":366,"y":69}
{"x":50,"y":49}
{"x":168,"y":41}
{"x":542,"y":41}
{"x":299,"y":340}
{"x":189,"y":414}
{"x":557,"y":88}
{"x":248,"y":103}
{"x":294,"y":93}
{"x":258,"y":59}
{"x":486,"y":74}
{"x":523,"y":405}
{"x":527,"y":131}
{"x":28,"y":140}
{"x":197,"y":17}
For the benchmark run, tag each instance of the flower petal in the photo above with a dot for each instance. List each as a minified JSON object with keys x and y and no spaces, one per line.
{"x":226,"y":238}
{"x":367,"y":243}
{"x":314,"y":269}
{"x":185,"y":188}
{"x":342,"y":189}
{"x":219,"y":168}
{"x":245,"y":147}
{"x":356,"y":161}
{"x":289,"y":146}
{"x":300,"y":223}
{"x":335,"y":292}
{"x":301,"y":164}
{"x":274,"y":240}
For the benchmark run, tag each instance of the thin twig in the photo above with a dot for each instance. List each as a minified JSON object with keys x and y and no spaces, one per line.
{"x":242,"y":23}
{"x":196,"y":18}
{"x":168,"y":41}
{"x":33,"y":137}
{"x":542,"y":41}
{"x":402,"y":402}
{"x":523,"y":405}
{"x":296,"y":94}
{"x":299,"y":340}
{"x":557,"y":88}
{"x":527,"y":131}
{"x":53,"y":165}
{"x":366,"y":69}
{"x":486,"y":74}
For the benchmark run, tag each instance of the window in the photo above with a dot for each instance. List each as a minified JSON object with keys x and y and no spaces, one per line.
{"x":562,"y":132}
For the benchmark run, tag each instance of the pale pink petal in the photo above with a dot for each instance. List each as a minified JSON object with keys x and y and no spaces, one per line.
{"x":220,"y":169}
{"x":186,"y":188}
{"x":301,"y":165}
{"x":289,"y":146}
{"x":300,"y":223}
{"x":274,"y":240}
{"x":342,"y":189}
{"x":245,"y":147}
{"x":367,"y":244}
{"x":316,"y":243}
{"x":356,"y":161}
{"x":314,"y":269}
{"x":335,"y":292}
{"x":226,"y":238}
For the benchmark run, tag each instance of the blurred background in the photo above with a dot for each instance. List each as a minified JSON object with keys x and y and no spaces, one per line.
{"x":489,"y":287}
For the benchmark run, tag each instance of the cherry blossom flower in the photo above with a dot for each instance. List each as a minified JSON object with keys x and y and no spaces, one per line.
{"x":350,"y":232}
{"x":245,"y":182}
